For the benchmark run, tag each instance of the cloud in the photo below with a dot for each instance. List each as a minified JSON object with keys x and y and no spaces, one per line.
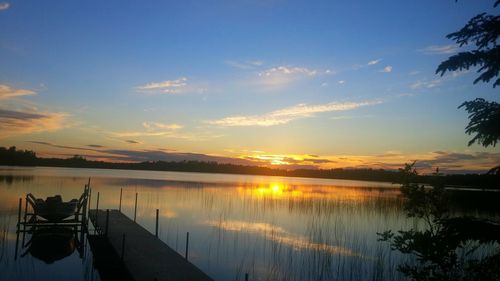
{"x":460,"y":162}
{"x":18,"y":122}
{"x":439,"y":49}
{"x":132,"y":142}
{"x":428,"y":84}
{"x":285,"y":70}
{"x":373,"y":62}
{"x":129,"y":155}
{"x":282,"y":75}
{"x":95,"y":145}
{"x":162,"y":126}
{"x":157,"y":155}
{"x":7,"y":92}
{"x":68,"y":147}
{"x":152,"y":129}
{"x":285,"y":115}
{"x":244,"y":64}
{"x":447,"y":162}
{"x":166,"y":87}
{"x":341,"y":81}
{"x":290,"y":161}
{"x":345,"y":117}
{"x":386,"y":69}
{"x":4,"y":6}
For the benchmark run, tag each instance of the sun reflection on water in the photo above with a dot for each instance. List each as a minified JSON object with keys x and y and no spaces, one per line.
{"x":279,"y":190}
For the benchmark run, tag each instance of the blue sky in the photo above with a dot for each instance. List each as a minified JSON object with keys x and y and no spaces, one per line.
{"x":351,"y":83}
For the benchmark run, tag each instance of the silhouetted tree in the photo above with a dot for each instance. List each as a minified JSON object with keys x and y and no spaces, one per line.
{"x":445,"y":248}
{"x":483,"y":32}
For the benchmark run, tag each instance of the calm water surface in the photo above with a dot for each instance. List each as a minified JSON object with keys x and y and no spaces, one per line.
{"x":272,"y":228}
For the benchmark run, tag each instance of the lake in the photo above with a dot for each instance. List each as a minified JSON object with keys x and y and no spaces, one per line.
{"x":273,"y":228}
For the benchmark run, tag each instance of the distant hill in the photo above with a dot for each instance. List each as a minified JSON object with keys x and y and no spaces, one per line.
{"x":13,"y":157}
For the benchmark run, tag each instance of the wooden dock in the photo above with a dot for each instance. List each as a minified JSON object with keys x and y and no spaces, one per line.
{"x":144,"y":256}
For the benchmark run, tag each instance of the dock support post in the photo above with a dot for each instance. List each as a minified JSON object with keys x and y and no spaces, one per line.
{"x":19,"y":212}
{"x":135,"y":209}
{"x":97,"y":203}
{"x":90,"y":197}
{"x":157,"y":216}
{"x":246,"y":276}
{"x":120,"y":206}
{"x":25,"y":210}
{"x":107,"y":222}
{"x":123,"y":246}
{"x":187,"y":244}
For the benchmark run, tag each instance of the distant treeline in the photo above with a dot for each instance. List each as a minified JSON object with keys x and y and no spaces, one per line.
{"x":13,"y":157}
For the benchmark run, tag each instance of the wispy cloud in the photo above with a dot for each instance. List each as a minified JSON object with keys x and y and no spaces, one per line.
{"x":286,"y":70}
{"x":166,"y":87}
{"x":373,"y":62}
{"x":285,"y":115}
{"x":431,"y":83}
{"x":161,"y":126}
{"x":19,"y":122}
{"x":348,"y":117}
{"x":153,"y":129}
{"x":252,"y":64}
{"x":4,"y":6}
{"x":7,"y":92}
{"x":282,"y":75}
{"x":142,"y":133}
{"x":447,"y":162}
{"x":288,"y":161}
{"x":341,"y":81}
{"x":95,"y":145}
{"x":386,"y":69}
{"x":439,"y":49}
{"x":168,"y":130}
{"x":427,"y":84}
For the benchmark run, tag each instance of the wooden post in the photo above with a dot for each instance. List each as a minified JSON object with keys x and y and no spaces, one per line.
{"x":19,"y":213}
{"x":157,"y":216}
{"x":90,"y":196}
{"x":107,"y":222}
{"x":135,"y":209}
{"x":25,"y":209}
{"x":84,"y":208}
{"x":97,"y":203}
{"x":246,"y":276}
{"x":187,"y":244}
{"x":120,"y":206}
{"x":97,"y":210}
{"x":123,"y":246}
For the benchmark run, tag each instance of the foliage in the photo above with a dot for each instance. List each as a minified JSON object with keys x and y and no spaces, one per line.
{"x":440,"y":247}
{"x":484,"y":119}
{"x":482,"y":31}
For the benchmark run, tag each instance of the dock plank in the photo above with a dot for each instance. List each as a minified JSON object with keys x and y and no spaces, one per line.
{"x":146,"y":257}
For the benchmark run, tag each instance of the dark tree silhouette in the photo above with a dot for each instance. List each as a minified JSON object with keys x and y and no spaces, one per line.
{"x":482,"y":31}
{"x":484,"y":119}
{"x":445,"y":247}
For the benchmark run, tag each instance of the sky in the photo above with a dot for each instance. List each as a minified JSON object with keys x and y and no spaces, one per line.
{"x":289,"y":84}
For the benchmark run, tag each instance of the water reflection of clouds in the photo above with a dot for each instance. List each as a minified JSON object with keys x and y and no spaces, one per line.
{"x":153,"y":183}
{"x":279,"y":235}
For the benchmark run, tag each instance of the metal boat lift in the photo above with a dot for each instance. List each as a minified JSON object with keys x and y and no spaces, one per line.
{"x":52,"y":227}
